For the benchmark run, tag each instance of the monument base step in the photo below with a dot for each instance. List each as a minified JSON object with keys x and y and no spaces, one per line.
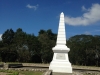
{"x":57,"y":73}
{"x":62,"y":67}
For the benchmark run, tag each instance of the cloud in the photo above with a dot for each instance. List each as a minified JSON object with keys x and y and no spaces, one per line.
{"x":0,"y":36}
{"x":92,"y":15}
{"x":83,"y":8}
{"x":87,"y":33}
{"x":97,"y":30}
{"x":32,"y":7}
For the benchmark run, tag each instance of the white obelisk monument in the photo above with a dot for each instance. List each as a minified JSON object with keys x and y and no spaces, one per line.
{"x":60,"y":61}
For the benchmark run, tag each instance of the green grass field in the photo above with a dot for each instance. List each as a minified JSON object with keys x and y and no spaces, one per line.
{"x":13,"y":72}
{"x":31,"y":73}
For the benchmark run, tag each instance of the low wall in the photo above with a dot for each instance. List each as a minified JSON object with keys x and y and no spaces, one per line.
{"x":24,"y":69}
{"x":48,"y":72}
{"x":35,"y":64}
{"x":7,"y":65}
{"x":47,"y":65}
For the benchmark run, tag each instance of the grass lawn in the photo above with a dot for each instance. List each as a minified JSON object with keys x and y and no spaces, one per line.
{"x":13,"y":72}
{"x":30,"y":73}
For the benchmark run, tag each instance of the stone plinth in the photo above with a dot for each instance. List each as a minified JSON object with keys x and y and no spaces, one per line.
{"x":60,"y":62}
{"x":5,"y":65}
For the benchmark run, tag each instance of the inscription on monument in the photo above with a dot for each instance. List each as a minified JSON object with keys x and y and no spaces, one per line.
{"x":60,"y":56}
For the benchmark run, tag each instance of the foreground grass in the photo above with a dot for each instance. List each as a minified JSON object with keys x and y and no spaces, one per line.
{"x":13,"y":72}
{"x":31,"y":73}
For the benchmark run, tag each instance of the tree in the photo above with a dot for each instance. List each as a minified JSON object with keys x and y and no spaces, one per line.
{"x":34,"y":47}
{"x":47,"y":41}
{"x":83,"y":49}
{"x":7,"y":51}
{"x":8,"y":36}
{"x":21,"y":46}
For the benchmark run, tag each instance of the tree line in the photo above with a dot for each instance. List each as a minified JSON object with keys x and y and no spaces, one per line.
{"x":85,"y":50}
{"x":19,"y":46}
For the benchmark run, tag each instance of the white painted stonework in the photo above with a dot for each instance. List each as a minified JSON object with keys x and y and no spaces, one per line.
{"x":60,"y":62}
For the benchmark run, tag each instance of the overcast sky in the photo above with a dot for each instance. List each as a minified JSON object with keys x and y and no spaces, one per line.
{"x":81,"y":16}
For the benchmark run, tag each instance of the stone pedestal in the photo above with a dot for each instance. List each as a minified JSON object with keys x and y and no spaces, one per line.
{"x":60,"y":62}
{"x":5,"y":66}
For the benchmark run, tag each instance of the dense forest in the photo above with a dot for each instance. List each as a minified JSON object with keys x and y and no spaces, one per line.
{"x":19,"y":46}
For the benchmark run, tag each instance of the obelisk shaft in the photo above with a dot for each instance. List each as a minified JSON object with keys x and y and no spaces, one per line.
{"x":61,"y":38}
{"x":60,"y":62}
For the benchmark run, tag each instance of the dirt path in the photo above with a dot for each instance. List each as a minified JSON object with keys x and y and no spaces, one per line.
{"x":2,"y":73}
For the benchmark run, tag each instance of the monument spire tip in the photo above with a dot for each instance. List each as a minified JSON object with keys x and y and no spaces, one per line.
{"x":62,"y":13}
